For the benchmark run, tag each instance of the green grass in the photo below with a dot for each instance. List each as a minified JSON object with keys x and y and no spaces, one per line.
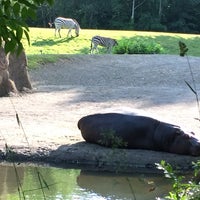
{"x":45,"y":47}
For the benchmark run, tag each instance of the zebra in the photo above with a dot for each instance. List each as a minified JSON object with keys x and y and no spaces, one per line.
{"x":61,"y":22}
{"x":109,"y":43}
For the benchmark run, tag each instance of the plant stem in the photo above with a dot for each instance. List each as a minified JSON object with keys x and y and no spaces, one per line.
{"x":194,"y":85}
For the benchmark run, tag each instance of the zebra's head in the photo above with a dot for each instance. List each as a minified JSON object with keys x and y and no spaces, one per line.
{"x":76,"y":27}
{"x":116,"y":43}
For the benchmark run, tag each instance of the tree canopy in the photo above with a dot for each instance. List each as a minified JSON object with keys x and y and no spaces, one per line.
{"x":149,"y":15}
{"x":13,"y":17}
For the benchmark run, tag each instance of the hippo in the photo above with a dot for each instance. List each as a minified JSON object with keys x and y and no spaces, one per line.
{"x":131,"y":131}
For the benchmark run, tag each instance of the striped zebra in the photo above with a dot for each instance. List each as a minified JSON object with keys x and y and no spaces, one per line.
{"x":109,"y":43}
{"x":68,"y":23}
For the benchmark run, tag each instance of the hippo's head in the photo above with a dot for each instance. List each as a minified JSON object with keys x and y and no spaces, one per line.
{"x":195,"y":146}
{"x":185,"y":143}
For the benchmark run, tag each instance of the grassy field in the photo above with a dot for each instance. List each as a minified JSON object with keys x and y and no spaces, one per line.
{"x":45,"y":47}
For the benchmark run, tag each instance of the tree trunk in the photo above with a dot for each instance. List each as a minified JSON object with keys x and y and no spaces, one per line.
{"x":13,"y":73}
{"x":134,"y":7}
{"x":4,"y":74}
{"x":18,"y":71}
{"x":160,"y":9}
{"x":133,"y":11}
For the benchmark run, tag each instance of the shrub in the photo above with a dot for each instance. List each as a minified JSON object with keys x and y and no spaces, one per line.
{"x":182,"y":188}
{"x":138,"y":45}
{"x":109,"y":139}
{"x":121,"y":48}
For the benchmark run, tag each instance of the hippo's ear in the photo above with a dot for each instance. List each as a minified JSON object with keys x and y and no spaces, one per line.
{"x":192,"y":133}
{"x":178,"y":132}
{"x":186,"y":136}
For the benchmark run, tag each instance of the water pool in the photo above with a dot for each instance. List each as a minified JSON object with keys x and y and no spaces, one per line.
{"x":25,"y":182}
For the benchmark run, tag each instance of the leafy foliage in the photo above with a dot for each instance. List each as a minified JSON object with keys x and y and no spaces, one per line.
{"x":109,"y":139}
{"x":182,"y":188}
{"x":138,"y":45}
{"x":13,"y":15}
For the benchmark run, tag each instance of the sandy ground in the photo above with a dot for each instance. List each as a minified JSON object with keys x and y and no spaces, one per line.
{"x":85,"y":84}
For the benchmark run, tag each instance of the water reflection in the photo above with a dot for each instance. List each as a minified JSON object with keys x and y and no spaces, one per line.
{"x":75,"y":184}
{"x":123,"y":186}
{"x":8,"y":183}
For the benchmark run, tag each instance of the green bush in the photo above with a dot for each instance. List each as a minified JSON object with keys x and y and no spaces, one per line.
{"x":137,"y":45}
{"x":109,"y":139}
{"x":121,"y":47}
{"x":182,"y":188}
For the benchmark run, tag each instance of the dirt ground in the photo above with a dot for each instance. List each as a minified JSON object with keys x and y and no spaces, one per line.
{"x":85,"y":84}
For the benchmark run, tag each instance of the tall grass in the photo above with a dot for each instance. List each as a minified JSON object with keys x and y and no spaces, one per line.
{"x":45,"y":47}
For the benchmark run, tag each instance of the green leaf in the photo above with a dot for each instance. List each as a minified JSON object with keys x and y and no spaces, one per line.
{"x":31,"y":13}
{"x":24,"y":12}
{"x":16,"y":9}
{"x":27,"y":36}
{"x":19,"y":33}
{"x":9,"y":46}
{"x":28,"y":4}
{"x":50,"y":2}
